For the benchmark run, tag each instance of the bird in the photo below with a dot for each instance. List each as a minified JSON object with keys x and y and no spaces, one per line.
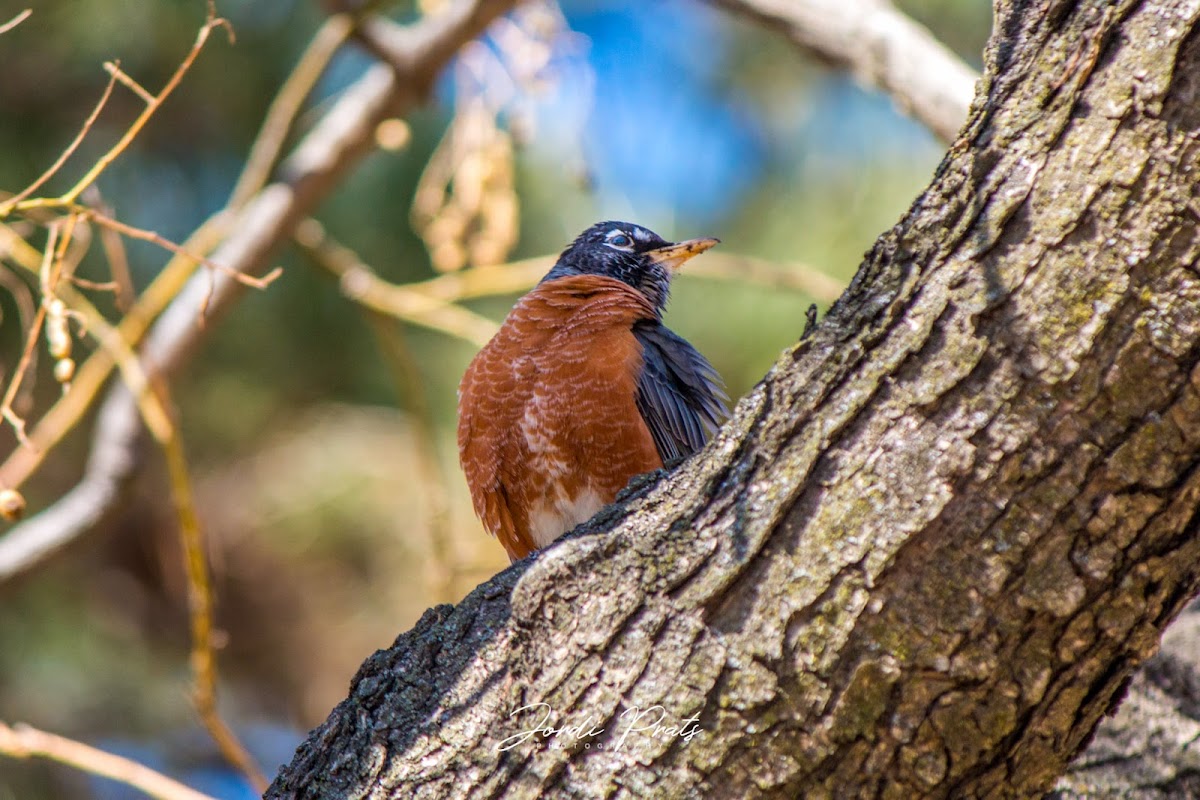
{"x":583,"y":388}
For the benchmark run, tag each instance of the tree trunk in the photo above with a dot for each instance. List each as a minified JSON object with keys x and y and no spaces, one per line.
{"x":929,"y":550}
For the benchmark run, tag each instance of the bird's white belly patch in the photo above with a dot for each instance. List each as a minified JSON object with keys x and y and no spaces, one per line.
{"x":558,"y":513}
{"x":558,"y":509}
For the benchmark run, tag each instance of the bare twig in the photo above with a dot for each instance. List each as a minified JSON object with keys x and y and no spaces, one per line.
{"x":21,"y":295}
{"x":167,"y":244}
{"x":113,"y":68}
{"x":15,"y":21}
{"x":441,"y":569}
{"x":287,"y":104}
{"x":342,"y":137}
{"x":8,"y":205}
{"x":109,"y":465}
{"x":882,"y":47}
{"x":114,"y":252}
{"x":152,"y":106}
{"x":31,"y":339}
{"x":360,"y":283}
{"x":54,"y":267}
{"x":95,"y":286}
{"x":22,"y":741}
{"x":792,"y":276}
{"x":154,"y":415}
{"x":518,"y":276}
{"x":200,"y":607}
{"x":433,"y":303}
{"x":70,"y":408}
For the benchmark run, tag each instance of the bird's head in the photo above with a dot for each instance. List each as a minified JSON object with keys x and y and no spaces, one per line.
{"x":629,"y":253}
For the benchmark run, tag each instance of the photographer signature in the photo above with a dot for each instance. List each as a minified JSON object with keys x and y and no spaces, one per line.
{"x":652,"y":721}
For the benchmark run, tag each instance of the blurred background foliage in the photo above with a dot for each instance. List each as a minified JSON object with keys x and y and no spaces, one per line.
{"x":671,"y":114}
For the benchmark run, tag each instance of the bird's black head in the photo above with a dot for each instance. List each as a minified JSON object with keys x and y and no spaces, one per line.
{"x":629,"y":253}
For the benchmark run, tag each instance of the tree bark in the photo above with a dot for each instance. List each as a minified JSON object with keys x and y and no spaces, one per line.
{"x":928,"y":552}
{"x":1148,"y":750}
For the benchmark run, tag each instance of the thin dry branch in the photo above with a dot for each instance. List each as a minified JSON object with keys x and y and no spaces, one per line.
{"x":763,"y":273}
{"x":22,"y":741}
{"x":882,"y":47}
{"x":339,"y":140}
{"x":154,"y":415}
{"x":287,"y":104}
{"x":152,"y":404}
{"x":15,"y":21}
{"x":434,"y":303}
{"x":200,"y":607}
{"x":66,"y":413}
{"x":31,"y":340}
{"x":519,"y":276}
{"x":114,"y":253}
{"x":360,"y":283}
{"x":213,"y":21}
{"x":118,"y":344}
{"x":155,"y":238}
{"x":22,"y":296}
{"x":152,"y":105}
{"x":8,"y":205}
{"x":113,"y":68}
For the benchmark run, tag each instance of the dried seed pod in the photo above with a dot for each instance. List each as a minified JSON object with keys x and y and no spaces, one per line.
{"x":64,"y":370}
{"x":58,"y":337}
{"x":12,"y":504}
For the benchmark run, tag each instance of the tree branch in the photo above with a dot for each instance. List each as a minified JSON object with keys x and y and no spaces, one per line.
{"x":338,"y":142}
{"x":882,"y":47}
{"x":23,"y":741}
{"x":928,"y":551}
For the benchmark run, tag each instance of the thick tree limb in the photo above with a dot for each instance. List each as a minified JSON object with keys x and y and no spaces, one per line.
{"x":342,"y":137}
{"x":927,"y":553}
{"x":882,"y":47}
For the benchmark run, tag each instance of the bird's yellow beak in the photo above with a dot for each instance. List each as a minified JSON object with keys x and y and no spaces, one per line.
{"x":672,"y":256}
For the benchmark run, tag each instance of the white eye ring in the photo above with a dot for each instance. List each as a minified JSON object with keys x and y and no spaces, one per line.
{"x":619,"y":240}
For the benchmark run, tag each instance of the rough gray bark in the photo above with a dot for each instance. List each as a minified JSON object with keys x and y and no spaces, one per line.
{"x":930,"y":549}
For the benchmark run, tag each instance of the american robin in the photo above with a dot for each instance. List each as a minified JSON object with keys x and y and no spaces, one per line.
{"x":583,"y":388}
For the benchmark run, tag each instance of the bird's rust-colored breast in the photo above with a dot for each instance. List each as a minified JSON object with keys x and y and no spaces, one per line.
{"x":549,"y":430}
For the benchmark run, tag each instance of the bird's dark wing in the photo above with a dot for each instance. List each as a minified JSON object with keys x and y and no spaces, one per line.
{"x":679,"y":393}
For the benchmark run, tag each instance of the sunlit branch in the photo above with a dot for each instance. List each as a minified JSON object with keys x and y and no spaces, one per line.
{"x":15,"y":21}
{"x":22,"y":741}
{"x":287,"y":104}
{"x":343,"y":136}
{"x":113,"y":68}
{"x":882,"y":47}
{"x":7,"y":206}
{"x":360,"y":283}
{"x":200,"y":608}
{"x":31,"y":340}
{"x":16,"y":552}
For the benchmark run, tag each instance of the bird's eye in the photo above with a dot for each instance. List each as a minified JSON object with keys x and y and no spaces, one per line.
{"x":620,"y":240}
